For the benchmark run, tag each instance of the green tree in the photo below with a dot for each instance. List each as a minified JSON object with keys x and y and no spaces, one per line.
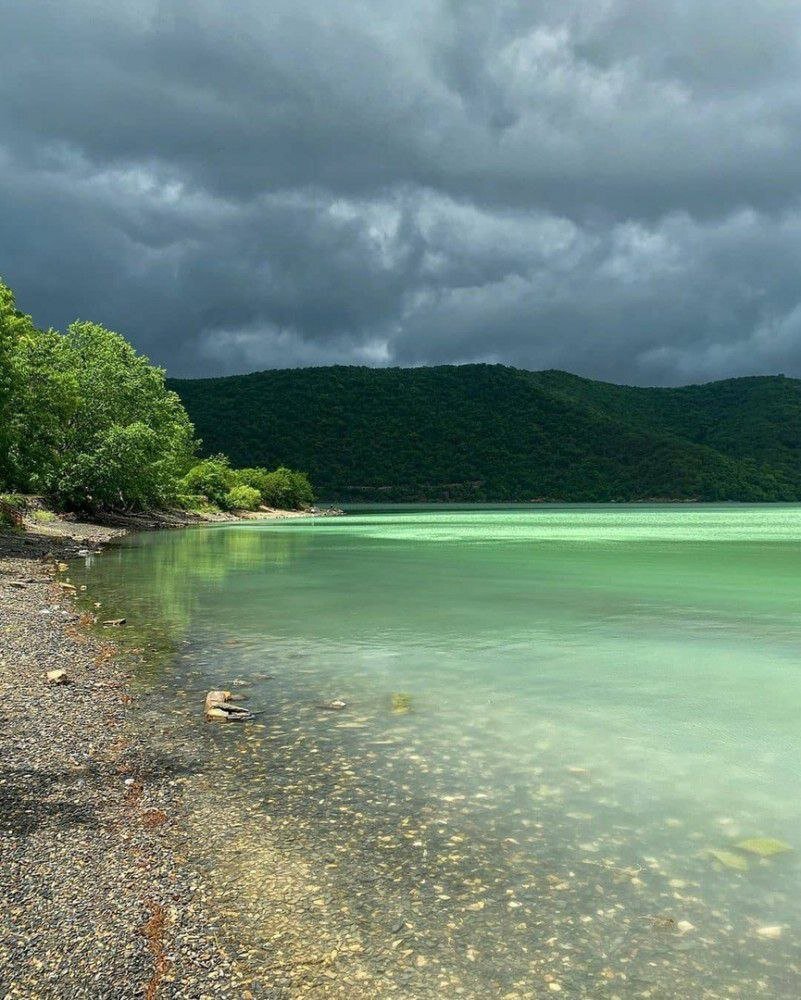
{"x":87,"y":420}
{"x":45,"y":402}
{"x":7,"y":341}
{"x":253,"y":477}
{"x":20,"y":412}
{"x":126,"y":422}
{"x":123,"y":469}
{"x":282,"y":488}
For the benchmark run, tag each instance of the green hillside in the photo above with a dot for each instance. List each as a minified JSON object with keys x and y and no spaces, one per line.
{"x":488,"y":432}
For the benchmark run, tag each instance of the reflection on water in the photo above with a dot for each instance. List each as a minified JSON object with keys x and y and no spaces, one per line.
{"x":561,"y":727}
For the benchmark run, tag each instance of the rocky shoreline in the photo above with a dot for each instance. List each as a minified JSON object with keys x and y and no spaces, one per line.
{"x":97,"y":897}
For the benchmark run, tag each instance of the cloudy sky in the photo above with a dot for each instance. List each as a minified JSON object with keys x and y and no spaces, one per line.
{"x":605,"y":186}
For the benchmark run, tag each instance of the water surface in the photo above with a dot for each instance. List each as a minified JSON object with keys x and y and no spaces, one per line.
{"x":553,"y":717}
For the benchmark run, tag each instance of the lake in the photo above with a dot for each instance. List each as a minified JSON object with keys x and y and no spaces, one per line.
{"x":569,"y":749}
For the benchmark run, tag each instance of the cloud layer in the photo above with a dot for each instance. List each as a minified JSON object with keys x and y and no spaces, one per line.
{"x":606,"y":186}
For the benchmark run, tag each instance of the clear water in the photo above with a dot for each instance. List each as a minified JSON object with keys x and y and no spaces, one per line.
{"x":552,"y":716}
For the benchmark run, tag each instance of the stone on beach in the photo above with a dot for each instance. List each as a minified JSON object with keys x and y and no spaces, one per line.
{"x":57,"y":677}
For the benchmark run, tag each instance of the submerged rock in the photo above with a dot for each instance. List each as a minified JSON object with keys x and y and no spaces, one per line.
{"x":219,"y":707}
{"x":333,"y":706}
{"x":401,"y":703}
{"x":735,"y":862}
{"x":764,"y":847}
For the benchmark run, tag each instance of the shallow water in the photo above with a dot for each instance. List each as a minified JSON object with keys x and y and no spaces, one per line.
{"x":552,"y":716}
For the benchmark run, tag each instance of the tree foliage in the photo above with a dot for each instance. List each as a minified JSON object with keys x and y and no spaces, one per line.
{"x":88,"y":421}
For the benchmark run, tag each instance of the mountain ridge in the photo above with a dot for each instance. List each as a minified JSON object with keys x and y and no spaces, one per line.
{"x":494,"y":433}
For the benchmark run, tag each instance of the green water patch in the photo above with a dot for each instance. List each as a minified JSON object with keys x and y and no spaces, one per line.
{"x":554,"y":761}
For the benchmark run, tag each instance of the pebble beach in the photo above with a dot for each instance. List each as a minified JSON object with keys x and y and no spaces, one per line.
{"x":97,"y":899}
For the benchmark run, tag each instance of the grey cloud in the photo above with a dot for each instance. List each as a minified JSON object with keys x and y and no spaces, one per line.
{"x":609,"y":187}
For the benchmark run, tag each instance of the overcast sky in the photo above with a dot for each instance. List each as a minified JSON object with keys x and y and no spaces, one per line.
{"x":605,"y":186}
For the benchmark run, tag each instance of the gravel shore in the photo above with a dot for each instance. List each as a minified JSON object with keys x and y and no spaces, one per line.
{"x":96,"y":899}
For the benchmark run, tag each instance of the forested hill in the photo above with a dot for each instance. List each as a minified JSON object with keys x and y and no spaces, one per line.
{"x":488,"y":432}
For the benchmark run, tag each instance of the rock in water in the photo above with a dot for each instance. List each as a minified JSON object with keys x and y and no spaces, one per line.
{"x":764,"y":847}
{"x":214,"y":698}
{"x":401,"y":703}
{"x":735,"y":862}
{"x":219,"y":707}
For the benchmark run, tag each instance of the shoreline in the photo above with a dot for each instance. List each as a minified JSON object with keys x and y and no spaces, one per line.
{"x":97,"y":894}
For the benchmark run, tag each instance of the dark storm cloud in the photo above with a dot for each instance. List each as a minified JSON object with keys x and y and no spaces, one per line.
{"x":608,"y":186}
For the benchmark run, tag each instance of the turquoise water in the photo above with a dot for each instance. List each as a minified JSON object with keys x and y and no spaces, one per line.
{"x":553,"y":716}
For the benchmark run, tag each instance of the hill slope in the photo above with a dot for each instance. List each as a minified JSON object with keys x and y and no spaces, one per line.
{"x":488,"y":432}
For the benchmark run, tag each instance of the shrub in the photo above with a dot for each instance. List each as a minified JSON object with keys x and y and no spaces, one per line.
{"x":12,"y":509}
{"x":212,"y":477}
{"x":255,"y":477}
{"x":282,"y":488}
{"x":243,"y":498}
{"x":193,"y":501}
{"x":287,"y":489}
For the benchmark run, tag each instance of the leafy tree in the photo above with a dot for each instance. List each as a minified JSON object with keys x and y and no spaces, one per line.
{"x":7,"y":343}
{"x":32,"y":372}
{"x":125,"y":468}
{"x":85,"y":418}
{"x":254,"y":477}
{"x":46,"y":400}
{"x":118,"y":389}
